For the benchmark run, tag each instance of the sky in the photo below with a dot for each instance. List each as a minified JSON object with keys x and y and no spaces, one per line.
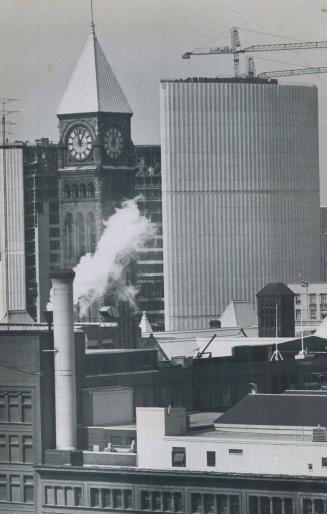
{"x":41,"y":41}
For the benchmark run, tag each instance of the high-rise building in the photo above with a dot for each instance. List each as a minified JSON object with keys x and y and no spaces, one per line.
{"x":29,"y":228}
{"x":240,"y":192}
{"x":323,"y":242}
{"x":150,"y":261}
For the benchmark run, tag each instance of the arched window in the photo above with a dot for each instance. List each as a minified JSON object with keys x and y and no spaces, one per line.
{"x":74,"y":191}
{"x":90,"y":190}
{"x":66,"y":191}
{"x":80,"y":235}
{"x":82,"y":191}
{"x":68,"y":230}
{"x":90,"y":233}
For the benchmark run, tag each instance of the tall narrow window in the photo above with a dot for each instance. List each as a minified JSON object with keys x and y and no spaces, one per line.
{"x":90,"y":233}
{"x":80,"y":235}
{"x":68,"y":228}
{"x":66,"y":191}
{"x":82,"y":191}
{"x":90,"y":190}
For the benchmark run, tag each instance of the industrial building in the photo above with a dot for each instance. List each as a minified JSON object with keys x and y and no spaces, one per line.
{"x":240,"y":192}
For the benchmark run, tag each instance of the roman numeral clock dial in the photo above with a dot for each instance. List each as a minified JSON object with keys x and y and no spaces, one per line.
{"x":80,"y":143}
{"x":113,"y":143}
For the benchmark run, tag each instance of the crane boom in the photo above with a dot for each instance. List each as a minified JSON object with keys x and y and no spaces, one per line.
{"x":289,"y":73}
{"x":256,"y":48}
{"x":235,"y":49}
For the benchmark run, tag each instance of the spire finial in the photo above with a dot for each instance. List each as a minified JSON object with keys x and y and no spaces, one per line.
{"x":92,"y":21}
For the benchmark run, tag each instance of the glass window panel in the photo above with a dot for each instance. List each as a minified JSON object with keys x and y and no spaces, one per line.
{"x":13,"y":409}
{"x":27,"y":413}
{"x":288,"y":506}
{"x":264,"y":505}
{"x":70,"y":497}
{"x":234,"y":504}
{"x":178,"y":502}
{"x":117,"y":497}
{"x":253,"y":505}
{"x":128,"y":499}
{"x":145,"y":500}
{"x":168,"y":502}
{"x":277,"y":507}
{"x":156,"y":501}
{"x":94,"y":497}
{"x":222,"y":504}
{"x":196,"y":503}
{"x":28,"y":491}
{"x":319,"y":507}
{"x":307,"y":506}
{"x":211,"y":458}
{"x":28,"y":453}
{"x":49,"y":494}
{"x":209,"y":504}
{"x":3,"y":488}
{"x":116,"y":439}
{"x":3,"y":411}
{"x":178,"y":457}
{"x":15,"y":488}
{"x":3,"y":449}
{"x":14,"y":449}
{"x":60,"y":496}
{"x":106,"y":498}
{"x":78,"y":496}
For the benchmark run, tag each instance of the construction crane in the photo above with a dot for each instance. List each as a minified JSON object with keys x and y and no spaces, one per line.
{"x":235,"y":49}
{"x":289,"y":73}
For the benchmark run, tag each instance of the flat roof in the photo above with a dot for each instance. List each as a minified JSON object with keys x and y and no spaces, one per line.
{"x":235,"y":80}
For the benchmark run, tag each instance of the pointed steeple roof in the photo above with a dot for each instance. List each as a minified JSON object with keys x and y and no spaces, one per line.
{"x":93,"y":86}
{"x":145,"y":325}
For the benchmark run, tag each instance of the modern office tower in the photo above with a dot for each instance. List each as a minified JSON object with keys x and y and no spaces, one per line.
{"x":323,"y":242}
{"x":32,"y":221}
{"x":240,"y":192}
{"x":30,"y":228}
{"x":149,"y":267}
{"x":12,"y":228}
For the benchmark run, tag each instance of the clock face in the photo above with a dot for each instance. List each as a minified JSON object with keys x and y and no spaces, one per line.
{"x":113,"y":143}
{"x":80,"y":143}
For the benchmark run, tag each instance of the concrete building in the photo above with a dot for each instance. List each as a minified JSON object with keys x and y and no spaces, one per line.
{"x":310,"y":305}
{"x":240,"y":192}
{"x":150,"y":260}
{"x":29,"y":228}
{"x":323,"y":242}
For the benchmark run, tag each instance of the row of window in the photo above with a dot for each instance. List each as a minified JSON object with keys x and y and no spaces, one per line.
{"x":16,"y":448}
{"x":312,"y":314}
{"x":151,"y":500}
{"x":15,"y":407}
{"x":215,"y":503}
{"x":178,"y":456}
{"x":16,"y":488}
{"x":313,"y":299}
{"x":78,"y":191}
{"x":151,"y":289}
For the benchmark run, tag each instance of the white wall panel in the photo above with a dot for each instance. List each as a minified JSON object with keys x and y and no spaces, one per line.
{"x":240,"y":180}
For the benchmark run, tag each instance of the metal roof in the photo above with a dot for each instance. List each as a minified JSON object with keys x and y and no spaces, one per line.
{"x":93,"y":86}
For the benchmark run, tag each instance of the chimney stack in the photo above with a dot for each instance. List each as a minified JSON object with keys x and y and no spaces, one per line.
{"x":65,"y":384}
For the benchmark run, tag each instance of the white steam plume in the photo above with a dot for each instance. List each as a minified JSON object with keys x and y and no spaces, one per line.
{"x":125,"y":233}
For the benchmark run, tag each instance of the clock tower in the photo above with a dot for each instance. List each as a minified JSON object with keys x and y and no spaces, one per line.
{"x":95,"y":152}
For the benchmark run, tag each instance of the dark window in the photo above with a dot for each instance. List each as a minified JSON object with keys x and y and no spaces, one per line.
{"x":145,"y":500}
{"x":94,"y":497}
{"x":14,"y":414}
{"x":128,"y":499}
{"x":3,"y":410}
{"x":69,"y":227}
{"x":196,"y":503}
{"x":3,"y":488}
{"x":235,"y":451}
{"x":80,"y":235}
{"x":27,"y":408}
{"x":54,"y":232}
{"x":3,"y":449}
{"x":66,"y":191}
{"x":14,"y":449}
{"x":178,"y":457}
{"x":116,"y":439}
{"x":211,"y":458}
{"x":324,"y":461}
{"x":90,"y":233}
{"x":90,"y":190}
{"x":82,"y":191}
{"x":74,"y":191}
{"x":15,"y":488}
{"x":117,"y":497}
{"x":106,"y":498}
{"x":28,"y":489}
{"x":54,"y":245}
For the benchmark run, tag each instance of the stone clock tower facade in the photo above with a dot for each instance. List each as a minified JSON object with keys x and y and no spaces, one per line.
{"x":95,"y":152}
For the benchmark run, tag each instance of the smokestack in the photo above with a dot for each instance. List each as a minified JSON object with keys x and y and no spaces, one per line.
{"x":63,"y":331}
